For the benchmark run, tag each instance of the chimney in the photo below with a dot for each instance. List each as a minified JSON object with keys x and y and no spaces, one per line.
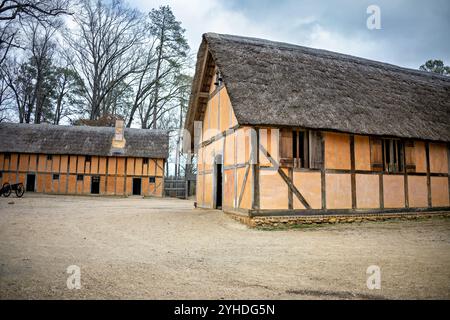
{"x":118,"y":143}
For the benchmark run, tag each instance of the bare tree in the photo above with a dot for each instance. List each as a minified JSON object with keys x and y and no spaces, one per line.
{"x":13,"y":10}
{"x":171,"y":55}
{"x":103,"y":44}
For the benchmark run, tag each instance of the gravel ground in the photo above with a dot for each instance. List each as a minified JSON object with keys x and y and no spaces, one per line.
{"x":163,"y":249}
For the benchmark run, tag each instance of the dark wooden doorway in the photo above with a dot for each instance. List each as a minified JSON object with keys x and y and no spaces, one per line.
{"x":95,"y":185}
{"x":31,"y":182}
{"x":218,"y":186}
{"x":136,"y":186}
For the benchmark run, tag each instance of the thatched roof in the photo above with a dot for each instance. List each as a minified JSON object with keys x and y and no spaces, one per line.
{"x":80,"y":140}
{"x":272,"y":83}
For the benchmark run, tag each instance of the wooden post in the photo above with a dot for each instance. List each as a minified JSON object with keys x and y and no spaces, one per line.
{"x":353,"y":166}
{"x":427,"y":153}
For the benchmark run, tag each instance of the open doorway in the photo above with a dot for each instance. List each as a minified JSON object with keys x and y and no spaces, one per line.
{"x":136,"y":186}
{"x":31,"y":182}
{"x":95,"y":185}
{"x":218,"y":178}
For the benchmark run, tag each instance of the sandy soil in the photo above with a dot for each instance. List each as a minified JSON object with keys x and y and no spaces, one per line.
{"x":163,"y":249}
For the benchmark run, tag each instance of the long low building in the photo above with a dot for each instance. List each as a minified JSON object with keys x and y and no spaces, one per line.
{"x":83,"y":160}
{"x":288,"y":130}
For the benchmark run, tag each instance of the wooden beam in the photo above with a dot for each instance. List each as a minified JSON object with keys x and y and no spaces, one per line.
{"x":244,"y":183}
{"x":427,"y":155}
{"x":286,"y":179}
{"x":353,"y":167}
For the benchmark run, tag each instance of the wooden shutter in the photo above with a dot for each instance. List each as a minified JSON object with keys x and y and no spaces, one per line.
{"x":376,"y":154}
{"x":410,"y":159}
{"x":286,"y":154}
{"x":316,"y":150}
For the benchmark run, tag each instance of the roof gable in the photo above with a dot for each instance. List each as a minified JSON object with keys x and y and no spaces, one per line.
{"x":271,"y":83}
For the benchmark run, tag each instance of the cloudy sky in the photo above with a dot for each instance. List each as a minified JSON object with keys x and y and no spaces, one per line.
{"x":412,"y":31}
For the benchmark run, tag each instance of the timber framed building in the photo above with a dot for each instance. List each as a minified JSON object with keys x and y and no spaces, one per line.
{"x":83,"y":160}
{"x":289,"y":130}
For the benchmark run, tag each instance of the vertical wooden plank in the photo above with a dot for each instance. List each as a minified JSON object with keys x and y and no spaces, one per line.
{"x":352,"y":168}
{"x":381,"y":191}
{"x":427,"y":156}
{"x":313,"y":163}
{"x":290,"y":193}
{"x":255,"y":168}
{"x":405,"y":174}
{"x":448,"y":171}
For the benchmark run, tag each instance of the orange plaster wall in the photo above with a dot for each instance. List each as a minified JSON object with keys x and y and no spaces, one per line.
{"x":338,"y":191}
{"x":160,"y":168}
{"x":110,"y":185}
{"x":72,"y":183}
{"x":138,"y":167}
{"x":362,"y":153}
{"x":112,"y":166}
{"x":367,"y":191}
{"x":120,"y":184}
{"x":420,"y":156}
{"x":229,"y":150}
{"x":80,"y":167}
{"x":63,"y":183}
{"x":310,"y":186}
{"x":417,"y":192}
{"x":228,"y":188}
{"x":247,"y":196}
{"x":199,"y":189}
{"x":207,"y":201}
{"x":337,"y":150}
{"x":55,"y":163}
{"x":42,"y":162}
{"x":438,"y":158}
{"x":13,"y":162}
{"x":23,"y":162}
{"x":94,"y":165}
{"x":439,"y":192}
{"x":33,"y":161}
{"x":273,"y":190}
{"x":64,"y":163}
{"x":394,"y":191}
{"x":72,"y":165}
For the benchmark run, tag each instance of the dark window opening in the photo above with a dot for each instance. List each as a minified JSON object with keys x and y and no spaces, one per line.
{"x":80,"y":177}
{"x":1,"y":174}
{"x":88,"y":159}
{"x":7,"y":156}
{"x":152,"y":179}
{"x":145,"y":161}
{"x":56,"y":177}
{"x":49,"y":157}
{"x":393,"y":155}
{"x":294,"y":149}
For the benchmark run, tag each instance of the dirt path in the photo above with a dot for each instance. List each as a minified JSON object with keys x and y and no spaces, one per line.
{"x":162,"y":249}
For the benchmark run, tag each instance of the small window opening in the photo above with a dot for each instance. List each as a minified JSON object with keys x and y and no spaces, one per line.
{"x":56,"y":177}
{"x":88,"y":158}
{"x":152,"y":179}
{"x":49,"y":157}
{"x":80,"y":177}
{"x":145,"y":161}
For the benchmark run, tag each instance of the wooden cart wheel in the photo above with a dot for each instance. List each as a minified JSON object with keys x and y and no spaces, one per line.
{"x":20,"y":190}
{"x":6,"y":189}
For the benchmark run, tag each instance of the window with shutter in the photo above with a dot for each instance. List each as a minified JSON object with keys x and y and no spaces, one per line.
{"x":410,"y":158}
{"x":315,"y":150}
{"x":294,"y":148}
{"x":376,"y":154}
{"x":286,"y":152}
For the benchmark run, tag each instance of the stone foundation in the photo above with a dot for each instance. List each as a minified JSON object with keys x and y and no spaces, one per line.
{"x":286,"y":221}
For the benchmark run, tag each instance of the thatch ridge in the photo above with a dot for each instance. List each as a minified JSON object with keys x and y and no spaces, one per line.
{"x":81,"y":140}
